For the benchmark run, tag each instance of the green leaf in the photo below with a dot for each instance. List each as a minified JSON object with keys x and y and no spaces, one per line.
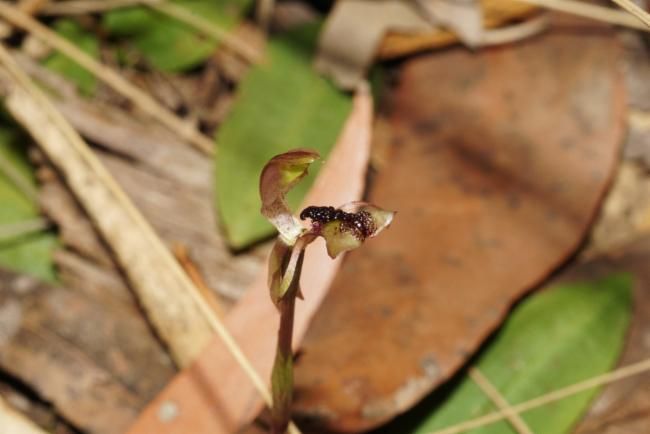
{"x":68,"y":68}
{"x":166,"y":43}
{"x":30,"y":254}
{"x":556,"y":338}
{"x":282,"y":104}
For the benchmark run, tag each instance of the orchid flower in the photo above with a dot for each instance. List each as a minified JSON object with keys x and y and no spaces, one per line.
{"x":344,"y":228}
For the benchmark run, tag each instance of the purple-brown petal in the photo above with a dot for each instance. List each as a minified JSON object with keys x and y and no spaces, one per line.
{"x":279,"y":176}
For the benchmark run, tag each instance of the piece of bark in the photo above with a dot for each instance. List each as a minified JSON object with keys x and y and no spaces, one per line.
{"x":498,"y":161}
{"x":213,"y":396}
{"x":96,"y":362}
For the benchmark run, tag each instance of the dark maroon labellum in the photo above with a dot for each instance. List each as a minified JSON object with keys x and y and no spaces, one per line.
{"x":360,"y":223}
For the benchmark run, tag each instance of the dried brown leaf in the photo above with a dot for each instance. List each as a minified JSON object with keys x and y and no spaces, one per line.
{"x":496,"y":166}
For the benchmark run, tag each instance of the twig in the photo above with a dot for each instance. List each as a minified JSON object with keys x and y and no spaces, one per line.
{"x":31,"y":7}
{"x":599,"y":13}
{"x":183,"y":257}
{"x":139,"y":98}
{"x":639,"y":119}
{"x":12,"y":231}
{"x":15,"y":423}
{"x":600,"y":380}
{"x":81,"y":7}
{"x":179,"y":13}
{"x":264,"y":12}
{"x":515,"y":32}
{"x":237,"y":45}
{"x":163,"y":287}
{"x":635,"y":10}
{"x":488,"y":388}
{"x":17,"y":179}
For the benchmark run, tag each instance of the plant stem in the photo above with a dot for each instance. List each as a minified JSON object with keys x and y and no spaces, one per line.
{"x":282,"y":374}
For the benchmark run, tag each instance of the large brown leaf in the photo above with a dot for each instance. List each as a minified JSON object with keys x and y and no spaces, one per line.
{"x":496,"y":163}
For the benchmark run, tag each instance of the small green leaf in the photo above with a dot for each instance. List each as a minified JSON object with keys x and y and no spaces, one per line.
{"x":29,"y":254}
{"x":87,"y":42}
{"x":282,"y":104}
{"x":556,"y":338}
{"x":166,"y":43}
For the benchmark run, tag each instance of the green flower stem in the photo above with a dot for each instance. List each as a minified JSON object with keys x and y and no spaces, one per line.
{"x":282,"y":374}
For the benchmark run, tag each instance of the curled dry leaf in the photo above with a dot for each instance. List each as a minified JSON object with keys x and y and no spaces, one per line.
{"x":279,"y":176}
{"x":395,"y":28}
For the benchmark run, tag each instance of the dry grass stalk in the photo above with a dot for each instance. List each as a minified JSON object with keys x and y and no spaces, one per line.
{"x":9,"y":171}
{"x":13,"y":422}
{"x":495,"y":396}
{"x":264,"y":13}
{"x":556,"y":395}
{"x":594,"y":12}
{"x":25,"y":227}
{"x":635,"y":10}
{"x":80,"y":7}
{"x":515,"y":32}
{"x":139,"y":98}
{"x":235,"y":44}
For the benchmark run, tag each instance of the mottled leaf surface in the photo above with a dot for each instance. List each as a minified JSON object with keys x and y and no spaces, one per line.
{"x":31,"y":253}
{"x":282,"y":104}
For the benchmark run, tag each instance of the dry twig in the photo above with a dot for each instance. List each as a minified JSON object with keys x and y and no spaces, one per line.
{"x":495,"y":396}
{"x":10,"y":172}
{"x":81,"y":7}
{"x":237,"y":45}
{"x":13,"y":422}
{"x":635,"y":10}
{"x":14,"y":230}
{"x":594,"y":12}
{"x":600,"y":380}
{"x":179,"y":13}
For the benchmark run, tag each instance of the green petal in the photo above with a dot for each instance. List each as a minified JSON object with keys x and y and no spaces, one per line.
{"x":339,"y":238}
{"x":345,"y":235}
